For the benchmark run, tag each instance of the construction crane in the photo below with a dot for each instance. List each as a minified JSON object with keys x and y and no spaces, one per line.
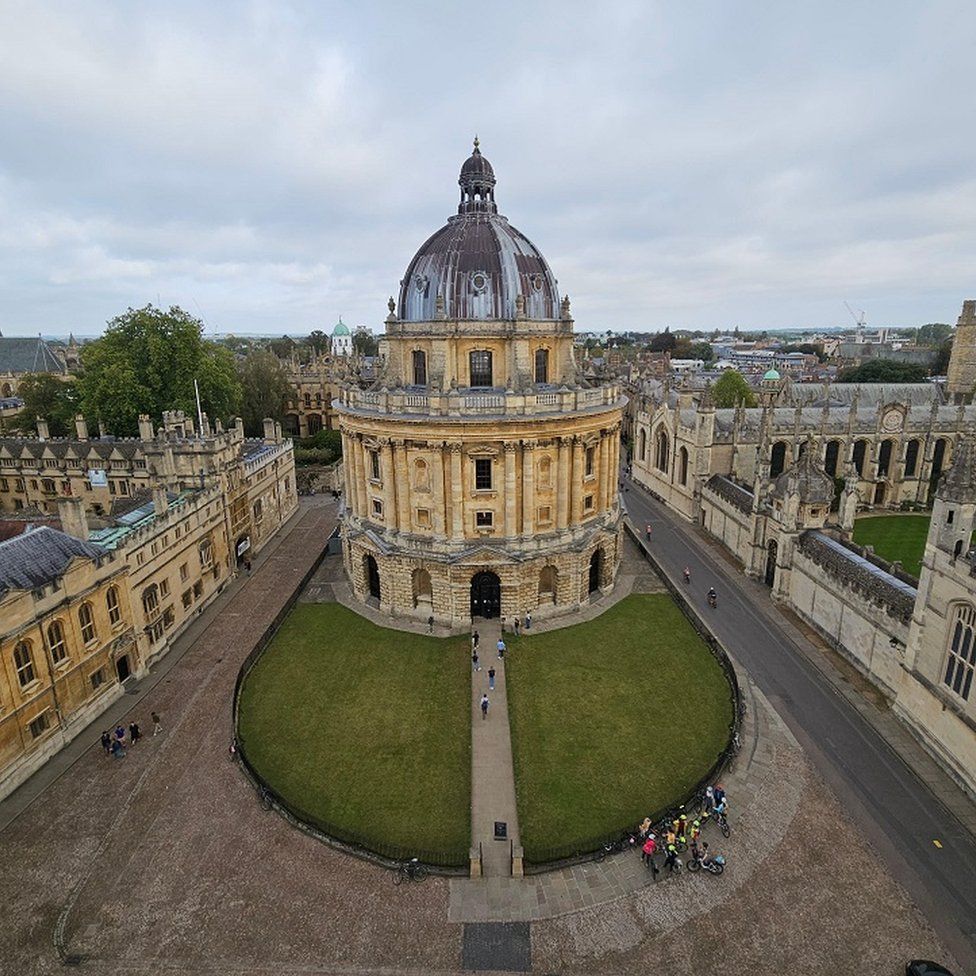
{"x":860,"y":317}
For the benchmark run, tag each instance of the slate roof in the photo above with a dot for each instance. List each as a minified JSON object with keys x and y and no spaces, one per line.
{"x":28,"y":356}
{"x":38,"y":557}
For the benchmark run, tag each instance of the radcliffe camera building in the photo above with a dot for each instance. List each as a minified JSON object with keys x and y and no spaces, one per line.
{"x":481,"y":469}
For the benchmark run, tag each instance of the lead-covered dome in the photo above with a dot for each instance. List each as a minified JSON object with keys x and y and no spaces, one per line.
{"x":478,"y":263}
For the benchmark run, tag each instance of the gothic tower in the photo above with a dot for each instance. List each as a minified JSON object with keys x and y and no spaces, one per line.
{"x":962,"y":361}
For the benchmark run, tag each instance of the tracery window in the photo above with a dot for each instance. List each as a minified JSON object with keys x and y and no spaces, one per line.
{"x":961,"y":658}
{"x":24,"y":663}
{"x":661,"y":448}
{"x":87,"y":620}
{"x":55,"y":640}
{"x":112,"y":602}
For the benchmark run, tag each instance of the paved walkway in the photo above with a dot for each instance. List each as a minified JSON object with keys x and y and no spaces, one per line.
{"x":492,"y":773}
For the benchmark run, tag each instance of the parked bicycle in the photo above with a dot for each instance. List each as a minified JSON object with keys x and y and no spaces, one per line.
{"x":411,"y":870}
{"x":713,"y":865}
{"x":624,"y":843}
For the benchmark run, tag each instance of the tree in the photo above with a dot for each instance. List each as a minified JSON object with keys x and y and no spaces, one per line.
{"x":941,"y":365}
{"x":47,"y":396}
{"x":265,"y":389}
{"x":318,"y":341}
{"x":731,"y":388}
{"x":663,"y":341}
{"x":364,"y":343}
{"x":883,"y":371}
{"x":703,"y":351}
{"x":933,"y":334}
{"x":146,"y":362}
{"x":282,"y":347}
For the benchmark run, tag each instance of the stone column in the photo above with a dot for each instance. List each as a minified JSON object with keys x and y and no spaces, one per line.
{"x":439,"y":500}
{"x":349,"y":471}
{"x":388,"y":473}
{"x":603,"y":501}
{"x":401,"y":485}
{"x":457,"y":493}
{"x":576,"y":495}
{"x":361,"y":493}
{"x":563,"y":492}
{"x":528,"y":488}
{"x":511,"y":513}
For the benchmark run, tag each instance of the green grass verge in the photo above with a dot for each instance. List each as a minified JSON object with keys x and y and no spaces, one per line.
{"x":895,"y":537}
{"x":365,"y":729}
{"x":611,"y":720}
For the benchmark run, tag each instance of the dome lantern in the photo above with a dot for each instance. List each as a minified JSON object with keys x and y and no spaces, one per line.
{"x":477,"y":182}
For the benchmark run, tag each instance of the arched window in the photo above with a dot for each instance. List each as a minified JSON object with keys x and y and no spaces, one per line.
{"x":112,"y":602}
{"x":938,"y":459}
{"x":860,"y":447}
{"x":683,"y":465}
{"x":421,"y":475}
{"x":884,"y":458}
{"x":205,"y":550}
{"x":55,"y":640}
{"x":87,"y":620}
{"x":24,"y":663}
{"x":830,"y":458}
{"x":961,"y":653}
{"x":314,"y":423}
{"x":422,"y":588}
{"x":419,"y":367}
{"x":308,"y":399}
{"x":150,"y":600}
{"x":777,"y":460}
{"x":542,"y":365}
{"x":642,"y":445}
{"x":318,"y":399}
{"x":661,"y":450}
{"x":548,"y":580}
{"x":479,"y":366}
{"x":911,"y":458}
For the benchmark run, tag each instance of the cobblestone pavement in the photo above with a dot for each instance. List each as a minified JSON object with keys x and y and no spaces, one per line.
{"x":166,"y":862}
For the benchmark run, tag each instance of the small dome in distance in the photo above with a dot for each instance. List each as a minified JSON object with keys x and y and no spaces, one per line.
{"x":341,"y":329}
{"x":771,"y":374}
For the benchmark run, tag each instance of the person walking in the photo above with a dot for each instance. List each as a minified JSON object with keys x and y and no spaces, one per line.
{"x":517,"y":624}
{"x":430,"y":625}
{"x":117,"y":751}
{"x":475,"y":666}
{"x":671,"y":861}
{"x":491,"y":679}
{"x":500,"y":646}
{"x":135,"y":733}
{"x":107,"y":743}
{"x":120,"y":733}
{"x":484,"y":707}
{"x":709,"y":801}
{"x":647,"y":851}
{"x":528,"y":621}
{"x":647,"y":531}
{"x":157,"y":725}
{"x":475,"y":640}
{"x":718,"y":793}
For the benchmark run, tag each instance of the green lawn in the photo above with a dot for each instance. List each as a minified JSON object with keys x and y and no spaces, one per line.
{"x":365,"y":728}
{"x":611,"y":720}
{"x":900,"y":537}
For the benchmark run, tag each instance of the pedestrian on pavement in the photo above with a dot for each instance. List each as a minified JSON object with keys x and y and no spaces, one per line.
{"x":117,"y":751}
{"x":644,"y":828}
{"x":491,"y":679}
{"x":528,"y":621}
{"x":475,"y":641}
{"x":500,"y":646}
{"x":718,"y":793}
{"x":475,"y":666}
{"x":247,"y":566}
{"x":647,"y":851}
{"x":157,"y":725}
{"x":135,"y":733}
{"x":120,"y":733}
{"x":430,"y":625}
{"x":671,"y":861}
{"x":516,"y":625}
{"x":107,"y":743}
{"x":647,"y":531}
{"x":484,"y":707}
{"x":709,"y":802}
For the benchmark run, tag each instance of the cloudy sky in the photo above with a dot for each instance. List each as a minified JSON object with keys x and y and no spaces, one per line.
{"x":271,"y":165}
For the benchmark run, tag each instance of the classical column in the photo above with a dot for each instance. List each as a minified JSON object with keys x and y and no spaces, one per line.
{"x":401,"y":485}
{"x":511,"y":516}
{"x":528,"y":487}
{"x":439,"y":500}
{"x":576,"y":496}
{"x":348,"y":470}
{"x":603,"y":501}
{"x":457,"y":493}
{"x":388,"y":475}
{"x":361,"y":493}
{"x":615,"y":467}
{"x":563,"y":492}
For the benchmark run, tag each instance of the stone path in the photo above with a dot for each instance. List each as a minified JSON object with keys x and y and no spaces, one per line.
{"x":492,"y":773}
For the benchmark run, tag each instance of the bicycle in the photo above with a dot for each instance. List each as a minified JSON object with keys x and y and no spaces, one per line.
{"x":615,"y":846}
{"x":723,"y":824}
{"x":267,"y":798}
{"x":411,"y":870}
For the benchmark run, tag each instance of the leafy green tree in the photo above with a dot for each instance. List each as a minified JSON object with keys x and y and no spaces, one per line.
{"x":663,"y":341}
{"x":941,"y":365}
{"x":933,"y":334}
{"x":146,"y":362}
{"x":808,"y":349}
{"x":364,"y":343}
{"x":47,"y":396}
{"x":731,"y":388}
{"x":282,"y":347}
{"x":265,"y":389}
{"x":883,"y":371}
{"x":703,"y":351}
{"x":318,"y":342}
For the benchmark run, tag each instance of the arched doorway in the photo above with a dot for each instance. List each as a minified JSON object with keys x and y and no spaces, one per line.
{"x":596,"y":561}
{"x":771,"y":551}
{"x":486,"y":595}
{"x":373,"y":577}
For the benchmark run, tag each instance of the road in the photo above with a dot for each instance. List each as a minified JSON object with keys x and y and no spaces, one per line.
{"x":899,"y":814}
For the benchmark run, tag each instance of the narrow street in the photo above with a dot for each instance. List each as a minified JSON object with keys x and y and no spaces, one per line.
{"x":899,"y":814}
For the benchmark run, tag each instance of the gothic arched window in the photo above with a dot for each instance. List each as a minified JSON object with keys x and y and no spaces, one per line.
{"x":961,"y":653}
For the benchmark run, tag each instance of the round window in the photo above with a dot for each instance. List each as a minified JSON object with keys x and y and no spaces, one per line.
{"x":479,"y":280}
{"x":537,"y":282}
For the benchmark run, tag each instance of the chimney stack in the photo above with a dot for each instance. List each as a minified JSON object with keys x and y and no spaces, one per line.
{"x":269,"y":431}
{"x":204,"y":425}
{"x":160,"y":499}
{"x":71,"y":511}
{"x":43,"y":433}
{"x":146,"y":432}
{"x":102,"y":429}
{"x":81,"y":427}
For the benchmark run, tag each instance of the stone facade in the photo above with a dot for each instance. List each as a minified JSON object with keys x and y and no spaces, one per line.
{"x":961,"y":380}
{"x":480,"y":469}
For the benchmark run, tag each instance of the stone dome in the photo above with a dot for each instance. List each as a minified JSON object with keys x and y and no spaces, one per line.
{"x":341,"y":329}
{"x":477,"y":263}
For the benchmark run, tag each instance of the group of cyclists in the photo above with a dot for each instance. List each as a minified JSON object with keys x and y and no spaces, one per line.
{"x":680,"y":833}
{"x":712,"y":595}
